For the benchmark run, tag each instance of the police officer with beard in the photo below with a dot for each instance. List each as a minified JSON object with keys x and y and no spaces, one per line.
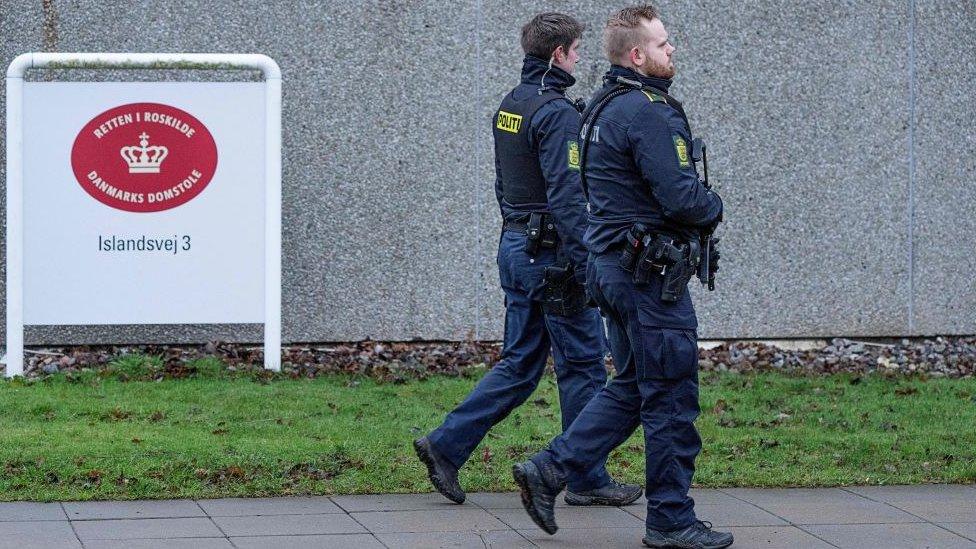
{"x":541,"y":264}
{"x":648,"y":213}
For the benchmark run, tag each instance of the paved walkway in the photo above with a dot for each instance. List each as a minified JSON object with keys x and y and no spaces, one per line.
{"x":863,"y":518}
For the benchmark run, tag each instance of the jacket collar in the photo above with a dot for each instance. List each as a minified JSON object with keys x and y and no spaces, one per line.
{"x":534,"y":68}
{"x":616,"y":70}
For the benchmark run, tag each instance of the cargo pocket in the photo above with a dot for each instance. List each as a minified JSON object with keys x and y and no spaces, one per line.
{"x":668,"y":353}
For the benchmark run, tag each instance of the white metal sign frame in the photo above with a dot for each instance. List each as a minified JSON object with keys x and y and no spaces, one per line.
{"x":14,"y":358}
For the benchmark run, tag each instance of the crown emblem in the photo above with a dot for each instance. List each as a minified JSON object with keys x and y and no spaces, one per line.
{"x":144,"y":158}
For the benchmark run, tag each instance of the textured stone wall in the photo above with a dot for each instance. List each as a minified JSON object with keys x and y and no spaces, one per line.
{"x":841,"y":136}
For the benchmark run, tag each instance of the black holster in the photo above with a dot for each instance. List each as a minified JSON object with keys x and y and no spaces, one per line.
{"x":562,"y":295}
{"x":540,"y":233}
{"x":633,"y":247}
{"x":677,"y":275}
{"x":675,"y":261}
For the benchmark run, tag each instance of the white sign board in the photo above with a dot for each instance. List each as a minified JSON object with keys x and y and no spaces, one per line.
{"x":143,"y":202}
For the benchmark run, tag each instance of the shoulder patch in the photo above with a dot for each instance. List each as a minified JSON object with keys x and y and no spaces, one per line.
{"x":655,"y":98}
{"x":572,"y":155}
{"x":509,"y":122}
{"x":681,"y":148}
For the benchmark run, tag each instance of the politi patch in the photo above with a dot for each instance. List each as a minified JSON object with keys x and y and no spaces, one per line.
{"x":509,"y":122}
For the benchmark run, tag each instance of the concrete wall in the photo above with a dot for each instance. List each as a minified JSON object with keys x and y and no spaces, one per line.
{"x":840,"y":134}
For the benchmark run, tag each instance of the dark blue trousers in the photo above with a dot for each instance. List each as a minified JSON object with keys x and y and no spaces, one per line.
{"x":578,"y":346}
{"x":655,"y":352}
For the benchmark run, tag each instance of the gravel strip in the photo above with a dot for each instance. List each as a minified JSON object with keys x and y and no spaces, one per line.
{"x":952,"y":357}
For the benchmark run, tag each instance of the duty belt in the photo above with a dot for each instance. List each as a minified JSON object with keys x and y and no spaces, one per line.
{"x":646,"y":253}
{"x":538,"y":228}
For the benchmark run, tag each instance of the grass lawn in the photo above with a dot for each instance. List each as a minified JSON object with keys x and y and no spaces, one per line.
{"x":100,"y":437}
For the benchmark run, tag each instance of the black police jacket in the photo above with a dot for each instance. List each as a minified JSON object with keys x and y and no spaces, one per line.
{"x":639,"y":168}
{"x":553,"y":130}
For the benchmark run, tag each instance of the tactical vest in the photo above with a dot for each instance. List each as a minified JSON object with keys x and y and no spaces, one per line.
{"x":518,"y":162}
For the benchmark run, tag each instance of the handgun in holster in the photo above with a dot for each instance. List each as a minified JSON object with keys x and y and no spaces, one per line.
{"x":562,"y":294}
{"x":679,"y":273}
{"x":648,"y":262}
{"x":676,"y":262}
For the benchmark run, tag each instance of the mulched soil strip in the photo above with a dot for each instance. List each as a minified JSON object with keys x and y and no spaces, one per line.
{"x":952,"y":357}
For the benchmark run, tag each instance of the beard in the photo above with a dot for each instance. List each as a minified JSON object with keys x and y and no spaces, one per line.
{"x":658,"y":70}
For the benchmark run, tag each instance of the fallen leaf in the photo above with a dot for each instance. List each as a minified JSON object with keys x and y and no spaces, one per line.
{"x":719,"y":407}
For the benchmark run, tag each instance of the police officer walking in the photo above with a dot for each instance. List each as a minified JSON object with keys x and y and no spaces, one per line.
{"x":541,"y":264}
{"x":650,"y":215}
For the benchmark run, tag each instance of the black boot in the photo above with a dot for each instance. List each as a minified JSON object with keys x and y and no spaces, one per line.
{"x":613,"y":494}
{"x":442,"y":474}
{"x":697,"y":536}
{"x":539,"y":488}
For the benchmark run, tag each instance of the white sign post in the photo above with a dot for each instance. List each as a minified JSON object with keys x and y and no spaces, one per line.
{"x":146,"y":203}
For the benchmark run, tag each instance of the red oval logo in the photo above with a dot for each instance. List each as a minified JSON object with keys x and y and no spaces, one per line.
{"x":144,"y":157}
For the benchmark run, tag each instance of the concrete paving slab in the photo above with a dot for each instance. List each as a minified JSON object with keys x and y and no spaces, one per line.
{"x":933,"y":502}
{"x":452,"y":520}
{"x":334,"y":541}
{"x":38,"y":535}
{"x":29,"y":510}
{"x":934,"y":511}
{"x":710,"y":497}
{"x":28,"y":542}
{"x":854,"y":517}
{"x":890,"y":536}
{"x":862,"y":513}
{"x":512,"y":500}
{"x":462,"y":540}
{"x":770,"y":537}
{"x":146,"y":528}
{"x":738,"y":514}
{"x":574,"y":517}
{"x":289,"y":525}
{"x":236,"y":507}
{"x":964,"y":529}
{"x":393,"y":502}
{"x":586,"y":538}
{"x":167,"y":543}
{"x":926,"y":492}
{"x":807,"y":496}
{"x":82,"y":510}
{"x":826,"y":506}
{"x":491,"y":500}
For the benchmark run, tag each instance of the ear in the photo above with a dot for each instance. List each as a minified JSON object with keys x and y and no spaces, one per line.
{"x":636,"y":56}
{"x":559,"y":54}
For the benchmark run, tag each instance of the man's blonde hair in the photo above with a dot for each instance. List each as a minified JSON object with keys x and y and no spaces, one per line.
{"x":624,"y":31}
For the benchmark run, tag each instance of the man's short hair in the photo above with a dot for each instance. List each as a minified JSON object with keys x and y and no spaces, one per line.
{"x":624,"y":31}
{"x":547,"y":31}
